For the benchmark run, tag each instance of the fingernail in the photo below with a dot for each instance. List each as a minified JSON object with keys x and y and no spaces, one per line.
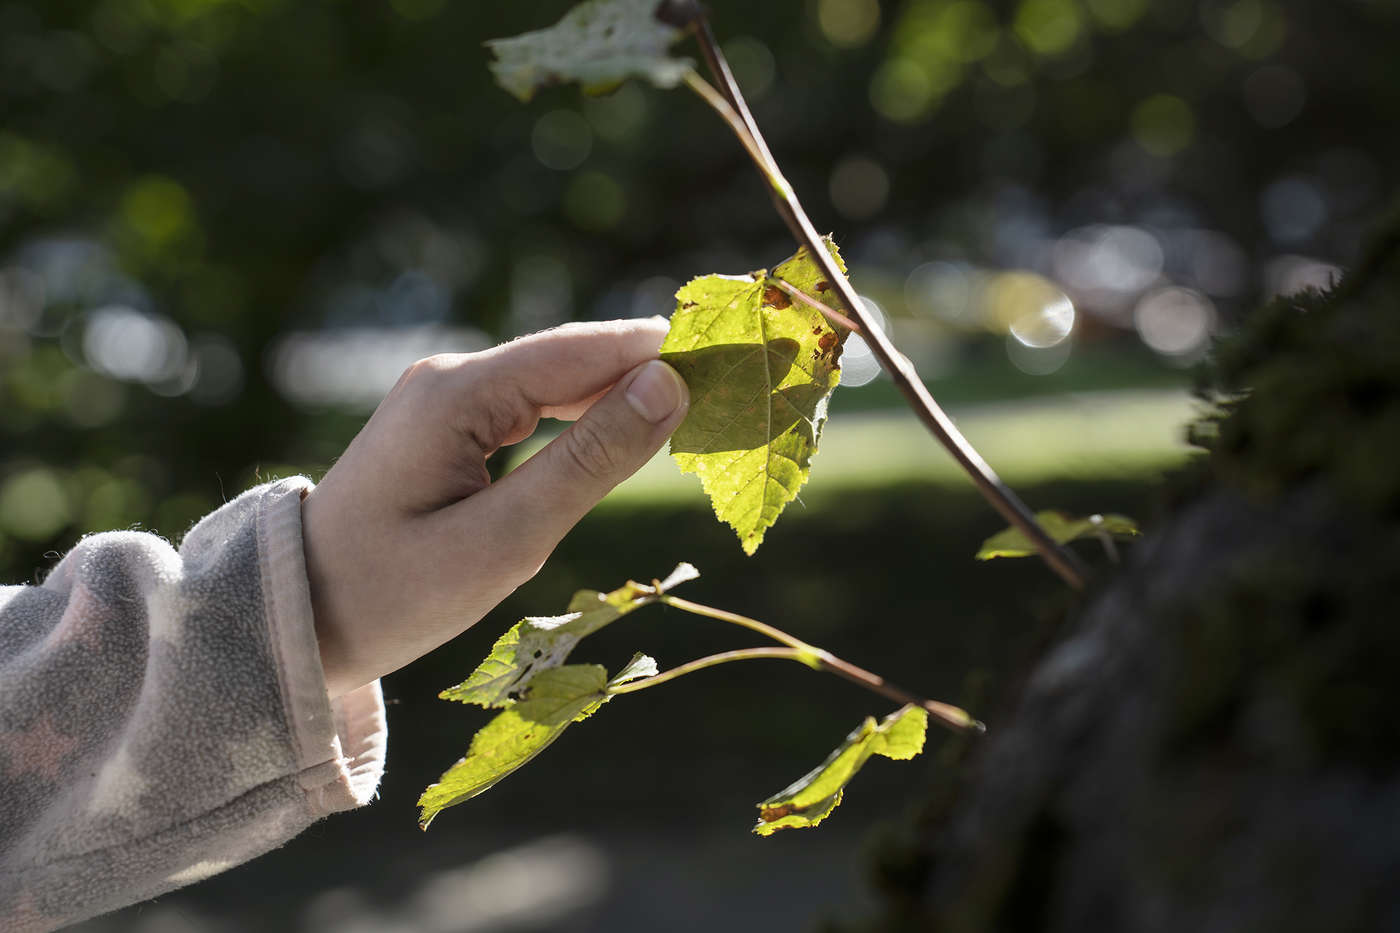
{"x":656,"y":392}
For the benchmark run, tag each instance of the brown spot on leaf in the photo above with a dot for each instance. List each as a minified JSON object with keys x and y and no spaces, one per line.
{"x":769,"y":814}
{"x":775,"y":297}
{"x":823,"y":285}
{"x":827,"y":341}
{"x":688,"y":304}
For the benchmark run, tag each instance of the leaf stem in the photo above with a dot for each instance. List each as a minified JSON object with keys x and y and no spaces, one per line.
{"x":945,"y":712}
{"x":828,"y":312}
{"x":742,"y":654}
{"x":1110,"y":548}
{"x":820,"y":660}
{"x":721,"y":106}
{"x":729,"y":102}
{"x":734,"y":618}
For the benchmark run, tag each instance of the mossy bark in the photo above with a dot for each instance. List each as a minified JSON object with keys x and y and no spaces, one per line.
{"x":1214,"y":744}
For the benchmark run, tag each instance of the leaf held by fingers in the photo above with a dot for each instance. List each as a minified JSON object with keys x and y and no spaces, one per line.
{"x":807,"y":801}
{"x":760,"y":367}
{"x":1062,"y":528}
{"x":536,"y":644}
{"x":598,"y":44}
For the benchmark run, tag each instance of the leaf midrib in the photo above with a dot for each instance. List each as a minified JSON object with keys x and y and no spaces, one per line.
{"x":767,"y":407}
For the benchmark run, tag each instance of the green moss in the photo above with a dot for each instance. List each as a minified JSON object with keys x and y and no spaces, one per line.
{"x":1310,"y":389}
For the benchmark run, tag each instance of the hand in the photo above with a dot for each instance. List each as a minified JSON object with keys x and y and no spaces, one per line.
{"x":408,"y":542}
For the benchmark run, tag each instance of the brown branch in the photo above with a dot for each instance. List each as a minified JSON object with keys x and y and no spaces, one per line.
{"x":828,"y":312}
{"x":946,"y":713}
{"x":901,"y":370}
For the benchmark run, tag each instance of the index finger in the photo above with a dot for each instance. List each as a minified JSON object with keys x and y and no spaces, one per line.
{"x":563,"y":367}
{"x":560,"y":372}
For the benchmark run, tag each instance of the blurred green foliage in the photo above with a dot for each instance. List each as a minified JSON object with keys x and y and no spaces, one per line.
{"x":183,"y":183}
{"x":186,"y":183}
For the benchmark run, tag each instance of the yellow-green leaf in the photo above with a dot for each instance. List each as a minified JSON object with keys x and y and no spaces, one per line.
{"x":1063,"y":528}
{"x":760,"y":367}
{"x":598,"y":44}
{"x":536,"y":644}
{"x":812,"y":797}
{"x":554,"y":700}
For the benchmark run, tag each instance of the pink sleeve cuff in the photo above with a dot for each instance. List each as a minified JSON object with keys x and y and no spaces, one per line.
{"x":340,"y":746}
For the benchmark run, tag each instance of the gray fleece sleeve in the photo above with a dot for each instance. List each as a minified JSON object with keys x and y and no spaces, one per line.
{"x":163,"y":714}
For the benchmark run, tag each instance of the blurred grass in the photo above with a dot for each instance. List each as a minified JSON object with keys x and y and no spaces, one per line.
{"x":1092,"y":435}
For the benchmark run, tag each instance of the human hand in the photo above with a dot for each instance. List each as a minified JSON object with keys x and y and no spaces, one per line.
{"x":407,"y":540}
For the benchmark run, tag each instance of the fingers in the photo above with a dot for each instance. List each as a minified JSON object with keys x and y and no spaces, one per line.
{"x":559,"y":373}
{"x":529,"y":510}
{"x":407,"y":545}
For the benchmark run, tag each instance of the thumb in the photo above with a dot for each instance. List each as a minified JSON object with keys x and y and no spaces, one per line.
{"x":551,"y":491}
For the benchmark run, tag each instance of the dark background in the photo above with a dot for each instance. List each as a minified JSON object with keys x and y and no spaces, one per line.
{"x":213,"y":211}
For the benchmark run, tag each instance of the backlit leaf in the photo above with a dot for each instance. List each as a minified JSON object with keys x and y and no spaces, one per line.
{"x":640,"y":666}
{"x":598,"y":44}
{"x":554,"y":700}
{"x":760,"y":367}
{"x":1063,"y":528}
{"x":537,"y":644}
{"x":812,"y":797}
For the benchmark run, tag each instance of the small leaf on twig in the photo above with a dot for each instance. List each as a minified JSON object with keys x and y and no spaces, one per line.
{"x":760,"y":368}
{"x":640,"y":666}
{"x":1062,"y":528}
{"x":812,"y":797}
{"x":554,"y":700}
{"x":598,"y":44}
{"x":536,"y":644}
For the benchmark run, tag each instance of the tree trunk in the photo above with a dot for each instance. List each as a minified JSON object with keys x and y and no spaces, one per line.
{"x":1213,"y":744}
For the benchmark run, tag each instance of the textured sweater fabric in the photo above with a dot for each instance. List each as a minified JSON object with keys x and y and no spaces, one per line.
{"x":164,"y":716}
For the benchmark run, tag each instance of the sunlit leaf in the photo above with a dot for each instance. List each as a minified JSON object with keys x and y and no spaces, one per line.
{"x":760,"y":367}
{"x":554,"y":700}
{"x":598,"y":44}
{"x":812,"y":797}
{"x":537,"y":644}
{"x":640,"y":666}
{"x":1063,"y":528}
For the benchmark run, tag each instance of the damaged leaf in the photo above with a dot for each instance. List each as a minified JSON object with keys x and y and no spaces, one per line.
{"x":1062,"y":528}
{"x":536,"y":644}
{"x":597,"y":44}
{"x":808,"y":800}
{"x":761,"y":369}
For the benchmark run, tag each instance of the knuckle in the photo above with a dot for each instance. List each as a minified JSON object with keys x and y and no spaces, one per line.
{"x":588,"y":450}
{"x":423,"y":370}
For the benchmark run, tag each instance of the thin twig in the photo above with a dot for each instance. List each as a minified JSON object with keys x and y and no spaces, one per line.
{"x":828,"y":312}
{"x":945,"y":712}
{"x":1110,"y":548}
{"x":901,"y":370}
{"x":721,"y":106}
{"x":734,"y":618}
{"x":724,"y":657}
{"x":815,"y":658}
